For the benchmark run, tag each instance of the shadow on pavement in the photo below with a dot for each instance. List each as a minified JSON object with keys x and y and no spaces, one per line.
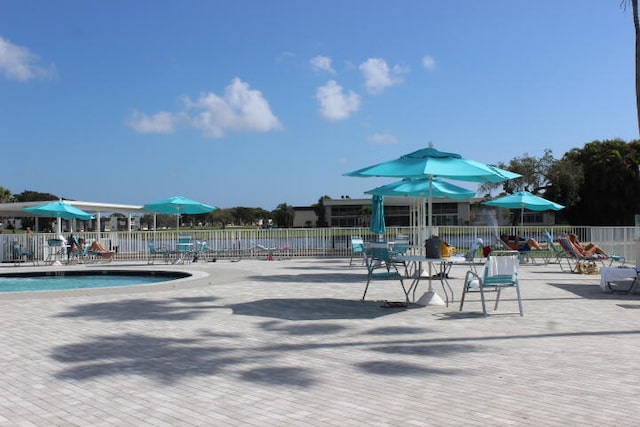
{"x":313,"y":309}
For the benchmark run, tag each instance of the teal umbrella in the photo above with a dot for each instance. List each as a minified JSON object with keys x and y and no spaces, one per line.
{"x":377,"y":215}
{"x":178,"y":205}
{"x":524,"y":200}
{"x":419,"y":187}
{"x":59,"y":209}
{"x":429,"y":163}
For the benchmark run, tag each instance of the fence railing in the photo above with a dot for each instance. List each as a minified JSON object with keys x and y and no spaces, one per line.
{"x":312,"y":242}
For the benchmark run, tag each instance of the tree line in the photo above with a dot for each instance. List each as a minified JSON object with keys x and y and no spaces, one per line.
{"x":281,"y":217}
{"x":598,"y":184}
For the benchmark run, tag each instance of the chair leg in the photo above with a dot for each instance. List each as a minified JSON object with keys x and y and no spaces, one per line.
{"x":484,"y":303}
{"x":519,"y":301}
{"x":464,"y":292}
{"x":406,"y":294}
{"x":498,"y":291}
{"x":366,"y":287}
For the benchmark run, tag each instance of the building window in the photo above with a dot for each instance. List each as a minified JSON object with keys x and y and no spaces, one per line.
{"x":532,"y":217}
{"x":396,"y":216}
{"x":346,"y":216}
{"x":445,"y":214}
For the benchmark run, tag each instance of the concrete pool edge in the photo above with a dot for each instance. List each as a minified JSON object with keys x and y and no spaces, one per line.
{"x":192,"y":279}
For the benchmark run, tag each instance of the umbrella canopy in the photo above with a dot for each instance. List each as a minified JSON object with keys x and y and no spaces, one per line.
{"x":431,"y":162}
{"x":59,"y":209}
{"x":419,"y":187}
{"x":377,"y":215}
{"x":524,"y":200}
{"x":178,"y":205}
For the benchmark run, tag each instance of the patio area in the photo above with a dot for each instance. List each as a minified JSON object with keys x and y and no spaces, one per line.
{"x":288,"y":343}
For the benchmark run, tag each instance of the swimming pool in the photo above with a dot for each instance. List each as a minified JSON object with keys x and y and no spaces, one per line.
{"x":66,"y":280}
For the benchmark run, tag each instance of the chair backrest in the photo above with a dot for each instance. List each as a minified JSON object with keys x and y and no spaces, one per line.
{"x":357,"y":245}
{"x":75,"y":244}
{"x":401,"y":246}
{"x":201,"y":245}
{"x":19,"y":250}
{"x":549,"y":240}
{"x":381,"y":253}
{"x":184,"y":244}
{"x":568,"y":247}
{"x":55,"y":242}
{"x":502,"y":263}
{"x":473,"y":250}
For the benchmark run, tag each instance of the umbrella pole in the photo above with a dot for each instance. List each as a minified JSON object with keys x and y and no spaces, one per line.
{"x":98,"y":226}
{"x":430,"y":297}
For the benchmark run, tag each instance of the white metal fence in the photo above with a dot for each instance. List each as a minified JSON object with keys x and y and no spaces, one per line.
{"x":313,"y":242}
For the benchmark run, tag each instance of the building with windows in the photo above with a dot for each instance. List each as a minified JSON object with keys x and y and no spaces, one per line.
{"x":347,"y":212}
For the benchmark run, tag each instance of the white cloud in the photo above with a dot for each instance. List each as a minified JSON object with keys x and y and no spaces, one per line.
{"x":284,"y":56}
{"x":378,"y":76}
{"x":383,"y":139}
{"x":18,"y":63}
{"x":161,"y":122}
{"x":428,"y":62}
{"x":322,"y":63}
{"x":334,"y":103}
{"x":241,"y":109}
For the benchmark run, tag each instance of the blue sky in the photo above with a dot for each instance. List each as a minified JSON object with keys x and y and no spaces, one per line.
{"x":257,"y":103}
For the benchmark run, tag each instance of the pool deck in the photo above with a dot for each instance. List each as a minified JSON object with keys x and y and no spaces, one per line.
{"x":288,"y":343}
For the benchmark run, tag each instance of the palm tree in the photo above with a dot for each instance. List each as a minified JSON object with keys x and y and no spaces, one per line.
{"x":636,"y":24}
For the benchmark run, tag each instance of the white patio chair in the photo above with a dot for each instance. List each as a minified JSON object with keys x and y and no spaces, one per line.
{"x":500,"y":271}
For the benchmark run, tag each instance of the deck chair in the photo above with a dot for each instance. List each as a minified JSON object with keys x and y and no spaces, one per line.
{"x":573,"y":259}
{"x":400,"y":247}
{"x":275,"y":253}
{"x":203,"y":251}
{"x":500,"y":271}
{"x":153,"y":253}
{"x":23,"y":254}
{"x":98,"y":253}
{"x":473,"y":252}
{"x":553,"y":247}
{"x":380,"y":258}
{"x":527,"y":255}
{"x":56,"y":249}
{"x":185,"y":251}
{"x":76,"y":252}
{"x":207,"y":253}
{"x":357,"y":249}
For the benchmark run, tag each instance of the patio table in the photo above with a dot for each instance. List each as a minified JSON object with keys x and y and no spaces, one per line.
{"x":437,"y":266}
{"x":616,"y":274}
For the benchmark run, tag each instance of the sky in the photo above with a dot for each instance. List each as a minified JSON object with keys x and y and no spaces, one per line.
{"x":258,"y":103}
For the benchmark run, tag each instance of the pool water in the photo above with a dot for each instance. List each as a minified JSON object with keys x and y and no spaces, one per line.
{"x":27,"y":283}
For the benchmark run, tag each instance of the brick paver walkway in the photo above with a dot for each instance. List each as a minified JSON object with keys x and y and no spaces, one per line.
{"x":287,"y":343}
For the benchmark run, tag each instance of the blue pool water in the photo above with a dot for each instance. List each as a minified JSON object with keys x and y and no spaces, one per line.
{"x":71,"y":280}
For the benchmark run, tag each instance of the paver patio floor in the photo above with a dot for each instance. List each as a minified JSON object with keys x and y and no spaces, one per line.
{"x":288,"y":343}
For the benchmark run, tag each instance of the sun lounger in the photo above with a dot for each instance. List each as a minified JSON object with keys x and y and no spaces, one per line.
{"x":98,"y":253}
{"x":572,"y":259}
